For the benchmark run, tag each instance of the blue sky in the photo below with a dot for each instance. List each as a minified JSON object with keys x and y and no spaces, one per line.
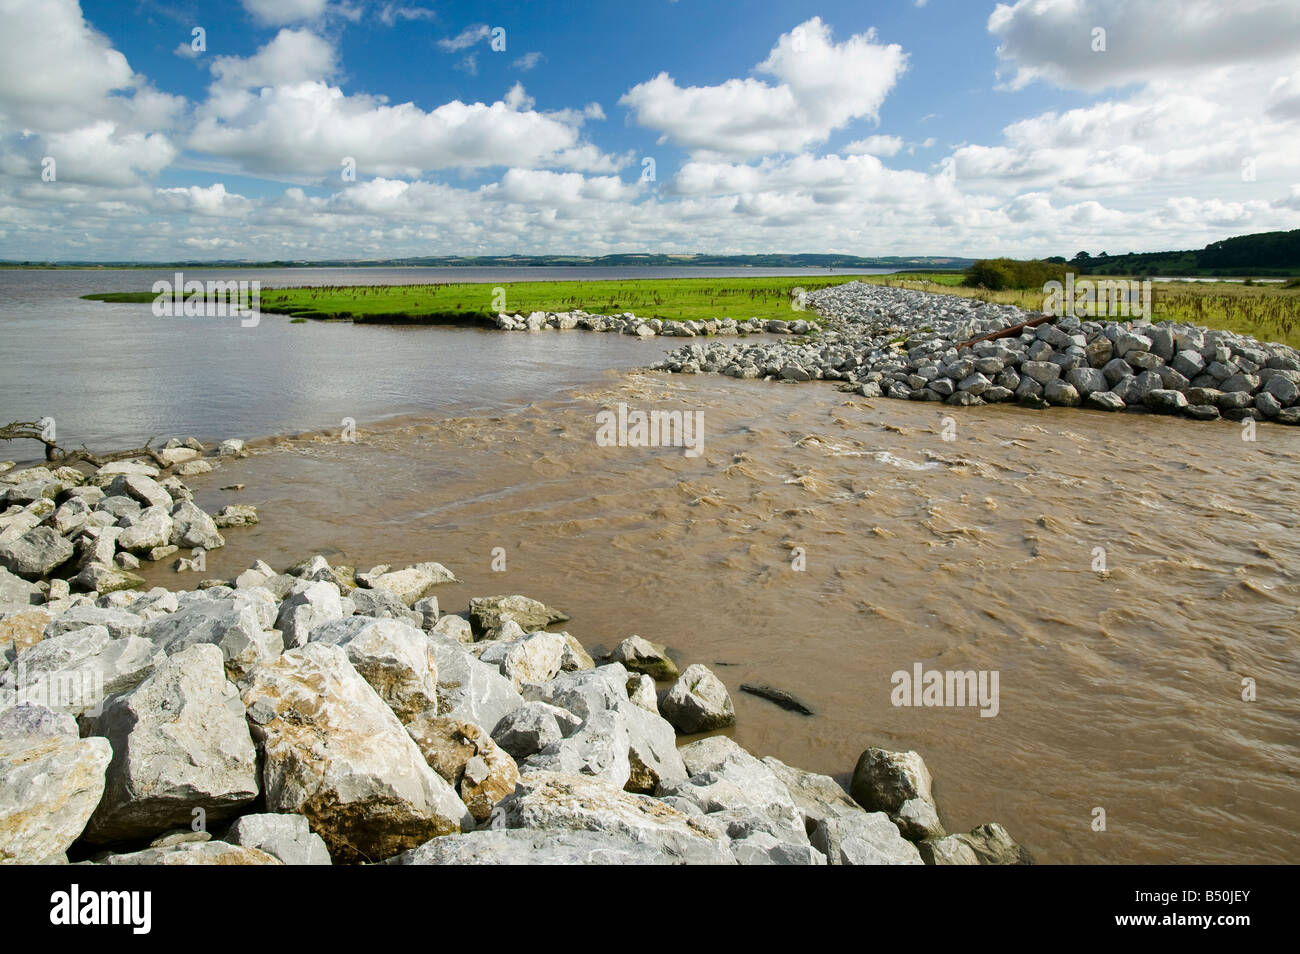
{"x":945,"y":127}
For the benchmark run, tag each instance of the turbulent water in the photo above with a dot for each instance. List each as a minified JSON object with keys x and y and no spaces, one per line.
{"x":1119,"y":690}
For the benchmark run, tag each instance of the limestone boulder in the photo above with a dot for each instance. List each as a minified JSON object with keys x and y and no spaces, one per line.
{"x":533,"y":726}
{"x":392,"y":656}
{"x":553,"y":802}
{"x":898,"y":784}
{"x":191,"y":527}
{"x":642,"y":656}
{"x":641,"y":692}
{"x":74,"y":672}
{"x":698,"y":702}
{"x":37,"y":553}
{"x":986,"y":845}
{"x":452,"y":627}
{"x":532,"y":658}
{"x":193,"y":853}
{"x":522,"y":846}
{"x":180,"y":745}
{"x":310,"y":603}
{"x":616,"y":740}
{"x":102,"y":578}
{"x":153,"y":528}
{"x":50,"y":783}
{"x":141,"y":488}
{"x":411,"y":583}
{"x":20,"y":629}
{"x":468,"y":688}
{"x":118,"y":622}
{"x":236,"y":625}
{"x":333,"y":751}
{"x":288,"y":838}
{"x":384,"y":604}
{"x":14,"y":589}
{"x":487,"y":613}
{"x":468,"y":759}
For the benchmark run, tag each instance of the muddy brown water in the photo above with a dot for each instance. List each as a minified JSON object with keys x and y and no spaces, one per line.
{"x":1119,"y":690}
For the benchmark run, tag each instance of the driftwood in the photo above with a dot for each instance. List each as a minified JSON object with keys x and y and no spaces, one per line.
{"x":1008,"y":332}
{"x":35,"y":431}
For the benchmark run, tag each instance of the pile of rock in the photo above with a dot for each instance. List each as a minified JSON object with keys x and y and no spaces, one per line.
{"x":322,"y":715}
{"x":907,"y":344}
{"x":629,"y":324}
{"x":62,"y":529}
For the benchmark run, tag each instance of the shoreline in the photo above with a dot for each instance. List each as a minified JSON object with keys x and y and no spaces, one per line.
{"x":347,"y":471}
{"x":521,"y":746}
{"x":653,"y":386}
{"x":969,"y":356}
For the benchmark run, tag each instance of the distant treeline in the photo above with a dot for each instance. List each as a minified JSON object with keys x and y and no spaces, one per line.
{"x":1261,"y":254}
{"x":1007,"y":274}
{"x":629,"y":259}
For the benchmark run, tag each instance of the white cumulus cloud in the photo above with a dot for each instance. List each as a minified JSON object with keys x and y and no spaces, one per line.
{"x":820,"y":86}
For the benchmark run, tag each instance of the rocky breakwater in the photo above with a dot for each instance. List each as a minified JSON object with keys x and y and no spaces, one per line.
{"x":64,"y":530}
{"x":629,"y":324}
{"x":913,"y":345}
{"x":320,"y":715}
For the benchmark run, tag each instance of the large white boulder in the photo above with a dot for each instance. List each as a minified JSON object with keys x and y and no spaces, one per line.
{"x":334,"y":752}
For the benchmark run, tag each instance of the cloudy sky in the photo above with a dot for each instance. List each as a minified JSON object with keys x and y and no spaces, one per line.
{"x":300,"y":129}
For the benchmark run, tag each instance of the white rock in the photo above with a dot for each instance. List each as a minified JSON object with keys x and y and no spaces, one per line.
{"x":238,"y":627}
{"x":453,"y":627}
{"x":533,"y":658}
{"x":468,"y":688}
{"x":521,"y":846}
{"x":333,"y":751}
{"x":180,"y":743}
{"x":286,"y":837}
{"x":557,"y":802}
{"x":698,"y":702}
{"x":50,"y":783}
{"x":392,"y":656}
{"x":310,"y":603}
{"x":413,"y":582}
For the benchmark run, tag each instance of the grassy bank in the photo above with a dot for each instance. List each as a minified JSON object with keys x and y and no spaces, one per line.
{"x":674,"y":299}
{"x":1268,"y":312}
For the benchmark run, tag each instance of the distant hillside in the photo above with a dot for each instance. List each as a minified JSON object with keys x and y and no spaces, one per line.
{"x":1263,"y":254}
{"x":941,"y":262}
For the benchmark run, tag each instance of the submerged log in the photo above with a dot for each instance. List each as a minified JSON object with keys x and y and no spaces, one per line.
{"x":779,"y":696}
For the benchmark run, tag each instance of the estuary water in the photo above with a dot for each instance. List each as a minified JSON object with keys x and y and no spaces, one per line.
{"x":116,"y":375}
{"x":1133,"y":580}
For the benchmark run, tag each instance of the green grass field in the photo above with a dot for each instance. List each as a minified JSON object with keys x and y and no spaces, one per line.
{"x":673,"y":299}
{"x":1268,"y":312}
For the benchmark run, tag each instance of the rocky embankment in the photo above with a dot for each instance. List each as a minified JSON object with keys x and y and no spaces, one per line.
{"x":630,"y":324}
{"x":905,"y":344}
{"x":62,"y":529}
{"x":320,"y":715}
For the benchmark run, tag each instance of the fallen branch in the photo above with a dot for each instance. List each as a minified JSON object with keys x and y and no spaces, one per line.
{"x":1008,"y":332}
{"x":35,"y":431}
